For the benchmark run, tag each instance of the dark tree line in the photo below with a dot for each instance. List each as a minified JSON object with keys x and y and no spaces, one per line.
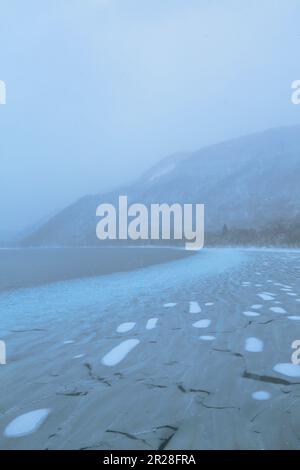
{"x":278,"y":233}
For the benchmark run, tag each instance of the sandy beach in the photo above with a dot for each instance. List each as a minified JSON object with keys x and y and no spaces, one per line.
{"x":190,"y":354}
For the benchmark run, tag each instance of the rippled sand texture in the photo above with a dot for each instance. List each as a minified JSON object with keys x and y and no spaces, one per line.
{"x":194,"y":354}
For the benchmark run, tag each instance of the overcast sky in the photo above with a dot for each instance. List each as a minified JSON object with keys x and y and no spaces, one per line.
{"x":99,"y":90}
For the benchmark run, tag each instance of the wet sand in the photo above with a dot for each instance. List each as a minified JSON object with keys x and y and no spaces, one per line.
{"x":194,"y":354}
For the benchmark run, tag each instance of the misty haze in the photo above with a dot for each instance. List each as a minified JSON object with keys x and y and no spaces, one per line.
{"x":137,"y":343}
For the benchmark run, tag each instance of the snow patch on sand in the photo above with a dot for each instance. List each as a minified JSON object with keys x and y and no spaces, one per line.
{"x":195,"y":307}
{"x":261,"y":395}
{"x":251,"y":314}
{"x":207,"y":338}
{"x":277,"y":309}
{"x":117,"y":354}
{"x":289,"y":369}
{"x":254,"y":345}
{"x":127,"y":326}
{"x":265,"y":296}
{"x":202,"y":323}
{"x":151,"y":323}
{"x":27,"y":423}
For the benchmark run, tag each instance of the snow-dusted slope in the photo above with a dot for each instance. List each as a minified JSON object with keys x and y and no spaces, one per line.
{"x":245,"y":183}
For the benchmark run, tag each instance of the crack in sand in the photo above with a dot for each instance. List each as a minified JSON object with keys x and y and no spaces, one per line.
{"x":94,"y":376}
{"x":191,"y":390}
{"x":267,"y":379}
{"x":130,"y":436}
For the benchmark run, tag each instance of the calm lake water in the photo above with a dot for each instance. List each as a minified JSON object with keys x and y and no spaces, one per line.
{"x":31,"y":267}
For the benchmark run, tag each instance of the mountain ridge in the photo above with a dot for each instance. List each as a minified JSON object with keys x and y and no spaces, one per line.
{"x":245,"y":183}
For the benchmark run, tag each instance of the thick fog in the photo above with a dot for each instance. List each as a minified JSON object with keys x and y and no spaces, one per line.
{"x":97,"y":91}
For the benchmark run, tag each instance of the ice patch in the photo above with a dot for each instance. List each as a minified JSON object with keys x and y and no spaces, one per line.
{"x":292,"y":294}
{"x":251,"y":314}
{"x":265,"y":296}
{"x":207,"y":338}
{"x":202,"y":323}
{"x":69,"y":341}
{"x":151,"y":323}
{"x":26,"y":423}
{"x":256,"y":307}
{"x":195,"y":307}
{"x":208,"y":304}
{"x":294,"y":317}
{"x":78,"y":356}
{"x":254,"y":345}
{"x":277,"y":309}
{"x":127,"y":326}
{"x":170,"y":304}
{"x":261,"y":395}
{"x":289,"y":369}
{"x":117,"y":354}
